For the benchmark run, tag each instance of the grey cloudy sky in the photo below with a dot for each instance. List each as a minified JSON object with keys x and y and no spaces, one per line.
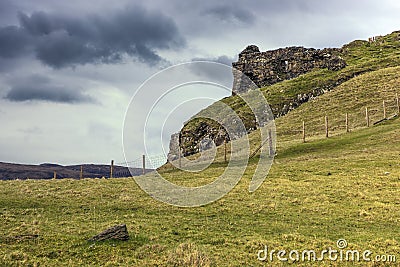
{"x":68,"y":69}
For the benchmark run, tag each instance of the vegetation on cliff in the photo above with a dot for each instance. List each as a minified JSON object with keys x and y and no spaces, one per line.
{"x":360,"y":56}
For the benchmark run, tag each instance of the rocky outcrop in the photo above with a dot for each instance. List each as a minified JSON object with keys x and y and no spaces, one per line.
{"x":197,"y":140}
{"x":260,"y":69}
{"x":270,"y":67}
{"x":201,"y":138}
{"x":173,"y":153}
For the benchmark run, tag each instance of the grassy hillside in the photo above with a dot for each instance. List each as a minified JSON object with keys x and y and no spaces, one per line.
{"x":365,"y":91}
{"x":347,"y":186}
{"x":361,"y":57}
{"x":343,"y":187}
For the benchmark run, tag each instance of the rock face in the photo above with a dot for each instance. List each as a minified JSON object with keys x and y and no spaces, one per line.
{"x":117,"y":232}
{"x":255,"y":68}
{"x":270,"y":67}
{"x":173,"y":153}
{"x":201,"y":138}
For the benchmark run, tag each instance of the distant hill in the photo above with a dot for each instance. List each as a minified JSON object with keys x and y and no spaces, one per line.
{"x":11,"y":171}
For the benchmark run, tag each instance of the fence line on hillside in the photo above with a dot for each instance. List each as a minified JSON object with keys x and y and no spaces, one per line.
{"x":140,"y":165}
{"x":372,"y":116}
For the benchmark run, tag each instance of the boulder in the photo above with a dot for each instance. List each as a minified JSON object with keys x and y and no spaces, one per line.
{"x":117,"y":232}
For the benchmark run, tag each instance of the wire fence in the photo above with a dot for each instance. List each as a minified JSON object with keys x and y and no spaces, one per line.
{"x":148,"y":162}
{"x":305,"y":125}
{"x":327,"y":125}
{"x":138,"y":166}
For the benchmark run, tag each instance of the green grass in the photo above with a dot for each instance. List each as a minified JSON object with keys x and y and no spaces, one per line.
{"x":352,"y":97}
{"x":347,"y":186}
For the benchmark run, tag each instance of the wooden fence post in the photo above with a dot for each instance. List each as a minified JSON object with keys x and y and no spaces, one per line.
{"x":143,"y":164}
{"x":225,"y":160}
{"x":81,"y":174}
{"x":111,"y":168}
{"x":384,"y":109}
{"x":326,"y":127}
{"x":180,"y":158}
{"x":347,"y":123}
{"x":55,"y":175}
{"x":398,"y":104}
{"x":304,"y":132}
{"x":367,"y":116}
{"x":270,"y":143}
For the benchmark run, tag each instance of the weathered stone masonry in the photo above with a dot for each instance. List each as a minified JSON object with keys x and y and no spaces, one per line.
{"x":270,"y":67}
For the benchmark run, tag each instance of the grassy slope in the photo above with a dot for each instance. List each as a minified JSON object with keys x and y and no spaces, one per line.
{"x":361,"y":57}
{"x":347,"y":186}
{"x":352,"y":97}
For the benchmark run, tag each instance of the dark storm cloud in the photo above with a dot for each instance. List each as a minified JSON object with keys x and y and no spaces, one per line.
{"x":13,"y":41}
{"x":38,"y":88}
{"x":231,"y":13}
{"x":59,"y":40}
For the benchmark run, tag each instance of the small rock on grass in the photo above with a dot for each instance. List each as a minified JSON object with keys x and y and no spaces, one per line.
{"x":117,"y":232}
